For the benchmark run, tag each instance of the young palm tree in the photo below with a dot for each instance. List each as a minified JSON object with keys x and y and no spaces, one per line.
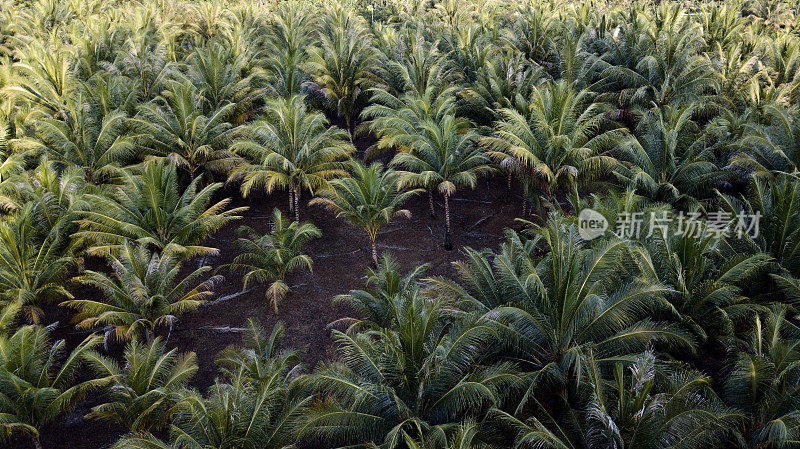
{"x":34,"y":386}
{"x":241,"y":413}
{"x":176,"y":127}
{"x":55,"y":196}
{"x":288,"y":43}
{"x":414,"y":381}
{"x":269,"y":258}
{"x":91,"y":140}
{"x":222,"y":79}
{"x":369,"y":199}
{"x":143,"y":392}
{"x":649,"y":407}
{"x":561,"y":138}
{"x":146,"y":290}
{"x":552,"y":298}
{"x":151,"y":210}
{"x":668,"y":160}
{"x":33,"y":266}
{"x":706,"y":274}
{"x":11,"y":164}
{"x":343,"y":64}
{"x":294,"y":149}
{"x":442,"y":155}
{"x":763,"y":381}
{"x":259,"y":357}
{"x":776,"y":201}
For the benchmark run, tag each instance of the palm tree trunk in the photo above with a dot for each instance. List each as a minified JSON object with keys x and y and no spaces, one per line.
{"x":37,"y":443}
{"x":291,"y":201}
{"x":374,"y":252}
{"x":448,"y":244}
{"x":148,"y":336}
{"x":296,"y":204}
{"x":430,"y":203}
{"x":508,"y":188}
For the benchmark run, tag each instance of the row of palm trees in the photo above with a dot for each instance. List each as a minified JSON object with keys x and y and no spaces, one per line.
{"x":120,"y":124}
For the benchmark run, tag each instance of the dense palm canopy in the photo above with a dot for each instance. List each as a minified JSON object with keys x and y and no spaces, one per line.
{"x":137,"y":137}
{"x":34,"y":387}
{"x":146,"y":290}
{"x":292,"y":148}
{"x":143,"y":391}
{"x":152,"y":210}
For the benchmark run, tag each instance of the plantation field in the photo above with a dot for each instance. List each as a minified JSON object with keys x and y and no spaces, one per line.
{"x":399,"y":224}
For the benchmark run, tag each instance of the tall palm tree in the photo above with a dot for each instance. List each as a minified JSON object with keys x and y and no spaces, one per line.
{"x":442,"y":155}
{"x":269,"y":258}
{"x":143,"y":392}
{"x":146,"y":290}
{"x":560,"y":138}
{"x":292,"y":148}
{"x":369,"y":199}
{"x":150,"y":209}
{"x":34,"y":386}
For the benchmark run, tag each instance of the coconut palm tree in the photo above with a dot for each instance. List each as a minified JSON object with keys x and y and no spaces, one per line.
{"x":762,"y":381}
{"x":415,"y":380}
{"x":182,"y":127}
{"x":552,"y":298}
{"x":560,"y":138}
{"x":374,"y":306}
{"x":241,"y":413}
{"x":270,"y":257}
{"x":143,"y":392}
{"x":147,"y":290}
{"x":343,"y":64}
{"x":644,"y":406}
{"x":706,"y":274}
{"x":259,"y":357}
{"x":33,"y":266}
{"x":34,"y":386}
{"x":441,"y":155}
{"x":292,"y":148}
{"x":289,"y":43}
{"x":369,"y":199}
{"x":91,"y":140}
{"x":221,"y":77}
{"x":150,"y":209}
{"x":668,"y":160}
{"x":770,"y":212}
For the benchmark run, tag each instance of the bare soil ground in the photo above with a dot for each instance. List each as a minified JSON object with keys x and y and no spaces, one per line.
{"x":341,"y":258}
